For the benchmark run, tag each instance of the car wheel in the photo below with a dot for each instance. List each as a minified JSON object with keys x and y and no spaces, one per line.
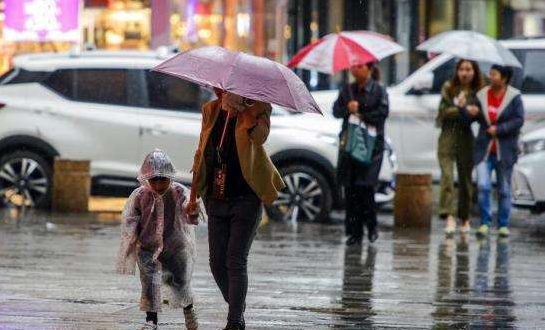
{"x":25,"y":179}
{"x":308,"y":196}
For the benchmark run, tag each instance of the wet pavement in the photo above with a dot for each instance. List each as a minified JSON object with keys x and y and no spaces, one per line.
{"x":57,"y":272}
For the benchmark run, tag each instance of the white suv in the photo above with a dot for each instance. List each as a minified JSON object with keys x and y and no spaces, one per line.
{"x":528,"y":179}
{"x":109,"y":108}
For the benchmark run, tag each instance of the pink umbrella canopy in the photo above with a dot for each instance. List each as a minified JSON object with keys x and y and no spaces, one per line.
{"x":249,"y":76}
{"x":339,"y":51}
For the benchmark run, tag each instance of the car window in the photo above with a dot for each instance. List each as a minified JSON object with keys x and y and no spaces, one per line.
{"x":62,"y":82}
{"x":21,"y":76}
{"x":441,"y":74}
{"x":102,"y":86}
{"x":170,"y":93}
{"x":533,"y":80}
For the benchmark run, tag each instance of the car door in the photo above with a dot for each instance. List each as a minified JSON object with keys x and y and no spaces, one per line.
{"x":171,"y":120}
{"x":417,"y":123}
{"x":94,"y":121}
{"x":532,"y":85}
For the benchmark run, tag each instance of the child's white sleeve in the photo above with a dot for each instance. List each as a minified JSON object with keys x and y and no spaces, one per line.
{"x":126,"y":258}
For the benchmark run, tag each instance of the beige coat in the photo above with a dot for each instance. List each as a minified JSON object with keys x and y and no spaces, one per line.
{"x":251,"y":132}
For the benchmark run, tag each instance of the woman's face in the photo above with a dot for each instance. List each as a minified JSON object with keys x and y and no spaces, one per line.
{"x":465,"y":73}
{"x":159,"y":184}
{"x":360,"y":72}
{"x":496,"y":79}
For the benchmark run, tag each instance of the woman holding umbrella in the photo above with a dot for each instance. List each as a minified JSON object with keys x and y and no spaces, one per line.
{"x":231,"y":170}
{"x":367,"y":100}
{"x":236,"y":177}
{"x":456,"y":143}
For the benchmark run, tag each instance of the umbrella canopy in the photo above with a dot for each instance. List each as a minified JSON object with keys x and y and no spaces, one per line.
{"x":470,"y":45}
{"x":249,"y":76}
{"x":339,"y":51}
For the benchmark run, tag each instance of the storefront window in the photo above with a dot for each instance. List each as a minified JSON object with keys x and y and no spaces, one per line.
{"x":118,"y":25}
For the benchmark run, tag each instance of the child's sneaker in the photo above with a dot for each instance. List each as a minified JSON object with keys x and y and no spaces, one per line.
{"x":149,"y":325}
{"x":483,"y":231}
{"x":504,"y":232}
{"x":191,"y":320}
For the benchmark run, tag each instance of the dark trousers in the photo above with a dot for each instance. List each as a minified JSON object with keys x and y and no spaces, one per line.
{"x":232,"y":225}
{"x":360,"y":209}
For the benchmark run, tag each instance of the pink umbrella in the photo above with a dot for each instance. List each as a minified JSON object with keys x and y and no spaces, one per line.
{"x":339,"y":51}
{"x":249,"y":76}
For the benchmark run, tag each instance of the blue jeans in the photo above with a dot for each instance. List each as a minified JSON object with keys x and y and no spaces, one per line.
{"x":503,"y":182}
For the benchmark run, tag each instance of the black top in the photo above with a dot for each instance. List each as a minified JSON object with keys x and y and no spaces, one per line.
{"x":373,"y":108}
{"x":235,"y":184}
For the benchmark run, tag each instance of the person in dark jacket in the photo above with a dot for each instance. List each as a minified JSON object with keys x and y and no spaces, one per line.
{"x":501,"y":117}
{"x":455,"y":145}
{"x":368,"y":100}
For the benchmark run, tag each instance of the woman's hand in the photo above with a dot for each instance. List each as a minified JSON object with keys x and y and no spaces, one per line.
{"x":461,"y":100}
{"x":492,"y":131}
{"x":232,"y":103}
{"x":353,"y":106}
{"x":192,"y":213}
{"x":473,"y":110}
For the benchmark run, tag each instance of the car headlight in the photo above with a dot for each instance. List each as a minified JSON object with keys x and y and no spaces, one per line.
{"x":532,"y":146}
{"x":331,"y":139}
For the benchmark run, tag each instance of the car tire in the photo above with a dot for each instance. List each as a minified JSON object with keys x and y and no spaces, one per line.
{"x":25,"y":179}
{"x":308,"y":196}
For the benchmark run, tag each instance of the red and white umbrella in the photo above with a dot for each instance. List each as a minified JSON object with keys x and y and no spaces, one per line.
{"x":339,"y":51}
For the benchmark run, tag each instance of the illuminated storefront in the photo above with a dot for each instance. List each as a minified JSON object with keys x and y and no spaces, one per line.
{"x":255,"y":26}
{"x":116,"y":24}
{"x":37,"y":26}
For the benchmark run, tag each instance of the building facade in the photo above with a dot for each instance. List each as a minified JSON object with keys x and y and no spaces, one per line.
{"x":276,"y":29}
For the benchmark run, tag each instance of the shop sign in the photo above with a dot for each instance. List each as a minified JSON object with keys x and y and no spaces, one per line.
{"x":41,"y":20}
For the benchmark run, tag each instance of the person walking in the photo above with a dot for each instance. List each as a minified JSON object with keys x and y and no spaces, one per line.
{"x":455,"y":145}
{"x":366,"y":100}
{"x":157,"y":235}
{"x":235,"y":176}
{"x":496,"y":146}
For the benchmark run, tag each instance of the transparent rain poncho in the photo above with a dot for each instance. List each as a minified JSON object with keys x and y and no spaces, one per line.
{"x":157,"y":226}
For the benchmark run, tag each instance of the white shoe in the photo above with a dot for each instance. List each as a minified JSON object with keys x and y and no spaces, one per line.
{"x":149,"y":326}
{"x":191,"y":320}
{"x":450,"y":229}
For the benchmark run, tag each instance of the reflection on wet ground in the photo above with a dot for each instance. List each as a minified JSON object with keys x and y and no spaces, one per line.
{"x":57,"y":272}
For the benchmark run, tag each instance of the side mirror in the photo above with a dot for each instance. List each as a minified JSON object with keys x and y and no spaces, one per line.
{"x":424,"y":82}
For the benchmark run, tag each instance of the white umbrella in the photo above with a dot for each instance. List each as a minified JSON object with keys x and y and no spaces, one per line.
{"x":470,"y":45}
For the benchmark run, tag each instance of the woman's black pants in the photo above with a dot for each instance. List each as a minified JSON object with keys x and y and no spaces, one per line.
{"x":360,"y":209}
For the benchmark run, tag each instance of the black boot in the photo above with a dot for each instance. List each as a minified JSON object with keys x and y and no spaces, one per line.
{"x":234,"y":326}
{"x":372,"y":234}
{"x":353,"y":240}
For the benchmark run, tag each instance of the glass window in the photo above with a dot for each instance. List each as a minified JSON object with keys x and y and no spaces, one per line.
{"x":102,"y":86}
{"x":166,"y":92}
{"x":62,"y":82}
{"x":533,"y":81}
{"x":21,"y":76}
{"x":441,"y":74}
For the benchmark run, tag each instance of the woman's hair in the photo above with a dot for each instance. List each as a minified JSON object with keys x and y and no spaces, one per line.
{"x":476,"y":84}
{"x":375,"y":71}
{"x":505,"y":72}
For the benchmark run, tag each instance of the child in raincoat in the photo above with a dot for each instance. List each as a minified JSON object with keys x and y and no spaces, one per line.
{"x":159,"y":236}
